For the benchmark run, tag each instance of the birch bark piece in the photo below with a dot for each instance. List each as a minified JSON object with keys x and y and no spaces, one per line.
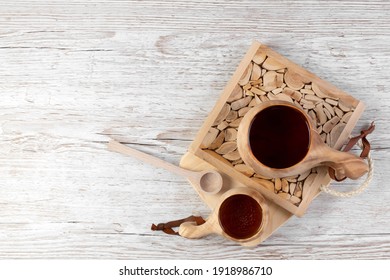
{"x":232,"y":116}
{"x":278,"y":184}
{"x":253,"y":103}
{"x":265,"y":183}
{"x":284,"y":195}
{"x":244,"y":169}
{"x":308,"y":106}
{"x":329,"y":125}
{"x":285,"y":184}
{"x":313,"y":116}
{"x":277,"y":90}
{"x":209,"y":138}
{"x":235,"y":123}
{"x":264,"y":98}
{"x":243,"y":111}
{"x":331,"y":101}
{"x":344,"y":107}
{"x":291,"y":179}
{"x":248,"y":93}
{"x":226,"y":147}
{"x":271,"y":96}
{"x":304,"y":101}
{"x":313,"y":98}
{"x":295,"y":200}
{"x":298,"y":191}
{"x":258,"y":91}
{"x":317,"y":90}
{"x":321,"y":117}
{"x":223,"y":125}
{"x":281,"y":97}
{"x":328,"y":141}
{"x":256,"y":72}
{"x":230,"y":134}
{"x":246,"y":75}
{"x":346,"y":117}
{"x":236,"y":94}
{"x":240,"y":103}
{"x":256,"y":82}
{"x":247,"y":87}
{"x":310,"y":93}
{"x":222,"y":114}
{"x":294,"y":94}
{"x":338,"y":112}
{"x":272,"y":64}
{"x":232,"y":156}
{"x":271,"y":80}
{"x":257,"y":99}
{"x":329,"y":108}
{"x":292,"y":188}
{"x":298,"y":104}
{"x":293,"y":80}
{"x":218,"y":141}
{"x":327,"y":113}
{"x":286,"y":188}
{"x":259,"y":57}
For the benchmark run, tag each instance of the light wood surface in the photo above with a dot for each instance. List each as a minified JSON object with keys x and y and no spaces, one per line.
{"x":75,"y":73}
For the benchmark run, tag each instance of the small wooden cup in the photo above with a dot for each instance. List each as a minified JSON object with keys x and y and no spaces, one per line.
{"x":345,"y":164}
{"x":214,"y":224}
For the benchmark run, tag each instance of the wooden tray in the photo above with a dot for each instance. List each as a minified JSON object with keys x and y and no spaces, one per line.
{"x":262,"y":75}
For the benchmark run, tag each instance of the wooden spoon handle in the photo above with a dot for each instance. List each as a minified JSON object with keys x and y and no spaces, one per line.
{"x":123,"y":149}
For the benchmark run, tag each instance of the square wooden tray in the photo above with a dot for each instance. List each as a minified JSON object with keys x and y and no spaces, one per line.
{"x":262,"y":75}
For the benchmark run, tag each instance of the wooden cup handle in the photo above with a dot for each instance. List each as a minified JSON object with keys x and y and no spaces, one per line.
{"x":345,"y":164}
{"x":366,"y":146}
{"x":193,"y":231}
{"x":349,"y":166}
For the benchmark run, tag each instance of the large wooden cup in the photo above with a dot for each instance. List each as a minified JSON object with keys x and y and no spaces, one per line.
{"x":318,"y":153}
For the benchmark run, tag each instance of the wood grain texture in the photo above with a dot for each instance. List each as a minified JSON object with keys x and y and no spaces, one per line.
{"x":147,"y":73}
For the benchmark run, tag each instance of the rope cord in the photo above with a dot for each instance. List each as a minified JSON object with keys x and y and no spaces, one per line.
{"x":362,"y":187}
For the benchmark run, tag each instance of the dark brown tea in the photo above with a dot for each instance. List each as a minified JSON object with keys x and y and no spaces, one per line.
{"x":240,"y":216}
{"x":279,"y":136}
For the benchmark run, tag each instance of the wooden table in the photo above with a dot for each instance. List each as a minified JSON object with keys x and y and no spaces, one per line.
{"x":147,"y":73}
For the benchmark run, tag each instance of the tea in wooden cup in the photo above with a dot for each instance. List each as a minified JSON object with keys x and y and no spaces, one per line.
{"x":277,"y":139}
{"x":240,"y":215}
